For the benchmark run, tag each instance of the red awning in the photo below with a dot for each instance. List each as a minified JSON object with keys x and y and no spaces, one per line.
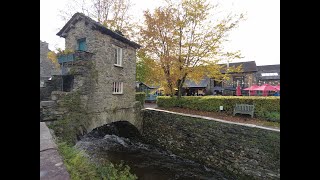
{"x":277,"y":87}
{"x":252,"y":88}
{"x":266,"y":87}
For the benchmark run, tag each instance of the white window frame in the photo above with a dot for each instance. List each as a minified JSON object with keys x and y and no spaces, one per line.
{"x":119,"y":56}
{"x":269,"y":74}
{"x":117,"y":88}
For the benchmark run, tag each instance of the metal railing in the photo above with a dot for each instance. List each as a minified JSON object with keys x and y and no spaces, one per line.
{"x":77,"y":55}
{"x":65,"y":58}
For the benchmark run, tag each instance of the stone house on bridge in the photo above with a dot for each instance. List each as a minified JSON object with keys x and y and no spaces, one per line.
{"x":102,"y":64}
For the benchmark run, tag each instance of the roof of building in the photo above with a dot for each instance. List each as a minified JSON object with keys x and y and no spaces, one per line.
{"x":96,"y":26}
{"x":247,"y":66}
{"x":203,"y":83}
{"x":275,"y":67}
{"x":148,"y":86}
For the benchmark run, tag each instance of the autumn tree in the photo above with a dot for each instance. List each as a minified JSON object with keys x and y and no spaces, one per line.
{"x":147,"y":70}
{"x":113,"y":14}
{"x":185,"y":39}
{"x":52,"y":56}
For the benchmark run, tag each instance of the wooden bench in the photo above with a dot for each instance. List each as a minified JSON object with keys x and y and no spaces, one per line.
{"x":243,"y":109}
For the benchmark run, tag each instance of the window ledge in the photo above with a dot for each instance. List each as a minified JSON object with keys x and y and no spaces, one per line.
{"x":118,"y":65}
{"x":117,"y":93}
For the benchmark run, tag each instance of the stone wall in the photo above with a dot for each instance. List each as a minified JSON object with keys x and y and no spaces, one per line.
{"x":59,"y":106}
{"x":246,"y":152}
{"x":47,"y":68}
{"x":57,"y":83}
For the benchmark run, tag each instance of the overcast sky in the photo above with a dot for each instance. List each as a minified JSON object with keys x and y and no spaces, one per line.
{"x":258,"y":38}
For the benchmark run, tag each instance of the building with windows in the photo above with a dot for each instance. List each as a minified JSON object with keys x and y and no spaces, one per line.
{"x":251,"y":74}
{"x":103,"y":65}
{"x":268,"y":74}
{"x":201,"y":88}
{"x":244,"y":79}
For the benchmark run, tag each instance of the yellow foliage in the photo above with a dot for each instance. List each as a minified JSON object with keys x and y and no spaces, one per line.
{"x":52,"y":56}
{"x":180,"y":42}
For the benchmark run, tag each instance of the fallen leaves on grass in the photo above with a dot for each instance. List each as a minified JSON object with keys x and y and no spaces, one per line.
{"x":240,"y":118}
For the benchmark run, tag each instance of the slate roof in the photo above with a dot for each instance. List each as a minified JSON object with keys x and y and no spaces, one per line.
{"x":247,"y":66}
{"x":96,"y":26}
{"x":203,"y":83}
{"x":267,"y":68}
{"x":148,"y":86}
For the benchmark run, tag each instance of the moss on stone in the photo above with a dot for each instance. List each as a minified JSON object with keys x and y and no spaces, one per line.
{"x":94,"y":74}
{"x":225,"y":144}
{"x":73,"y":124}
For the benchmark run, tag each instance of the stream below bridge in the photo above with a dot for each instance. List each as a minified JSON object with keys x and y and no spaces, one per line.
{"x":121,"y":143}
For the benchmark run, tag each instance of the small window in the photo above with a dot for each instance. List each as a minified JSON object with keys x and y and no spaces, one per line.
{"x":82,"y":46}
{"x":117,"y":88}
{"x":269,"y":74}
{"x":118,"y":56}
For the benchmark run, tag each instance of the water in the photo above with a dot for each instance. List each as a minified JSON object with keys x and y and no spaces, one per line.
{"x":146,"y":161}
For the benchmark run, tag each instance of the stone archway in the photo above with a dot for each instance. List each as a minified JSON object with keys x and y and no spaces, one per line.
{"x":119,"y":128}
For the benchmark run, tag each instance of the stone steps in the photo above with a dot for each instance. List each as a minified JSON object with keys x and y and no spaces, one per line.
{"x":47,"y":111}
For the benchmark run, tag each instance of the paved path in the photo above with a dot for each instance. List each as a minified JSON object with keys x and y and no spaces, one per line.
{"x":150,"y":105}
{"x":51,"y":163}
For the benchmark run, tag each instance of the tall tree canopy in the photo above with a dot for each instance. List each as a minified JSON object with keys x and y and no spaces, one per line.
{"x":184,"y":38}
{"x":113,"y":14}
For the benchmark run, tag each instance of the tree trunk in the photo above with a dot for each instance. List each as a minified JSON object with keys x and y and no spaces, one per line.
{"x":169,"y":81}
{"x":179,"y":89}
{"x":180,"y":84}
{"x":171,"y":89}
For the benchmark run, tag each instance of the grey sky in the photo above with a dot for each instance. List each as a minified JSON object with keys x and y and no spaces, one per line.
{"x":258,"y":37}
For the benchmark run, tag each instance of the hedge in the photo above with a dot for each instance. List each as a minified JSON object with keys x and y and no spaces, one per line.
{"x":263,"y":105}
{"x":141,"y":96}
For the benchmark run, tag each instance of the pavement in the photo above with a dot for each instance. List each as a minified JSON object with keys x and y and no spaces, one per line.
{"x":51,"y":163}
{"x":150,"y":105}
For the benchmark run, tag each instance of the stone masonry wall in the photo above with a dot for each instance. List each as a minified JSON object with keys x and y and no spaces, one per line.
{"x":47,"y":68}
{"x":95,"y":77}
{"x":242,"y":151}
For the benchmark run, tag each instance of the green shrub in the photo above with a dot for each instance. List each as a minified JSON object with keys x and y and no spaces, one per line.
{"x":76,"y":163}
{"x":263,"y":105}
{"x":273,"y":116}
{"x":141,"y":96}
{"x":80,"y":167}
